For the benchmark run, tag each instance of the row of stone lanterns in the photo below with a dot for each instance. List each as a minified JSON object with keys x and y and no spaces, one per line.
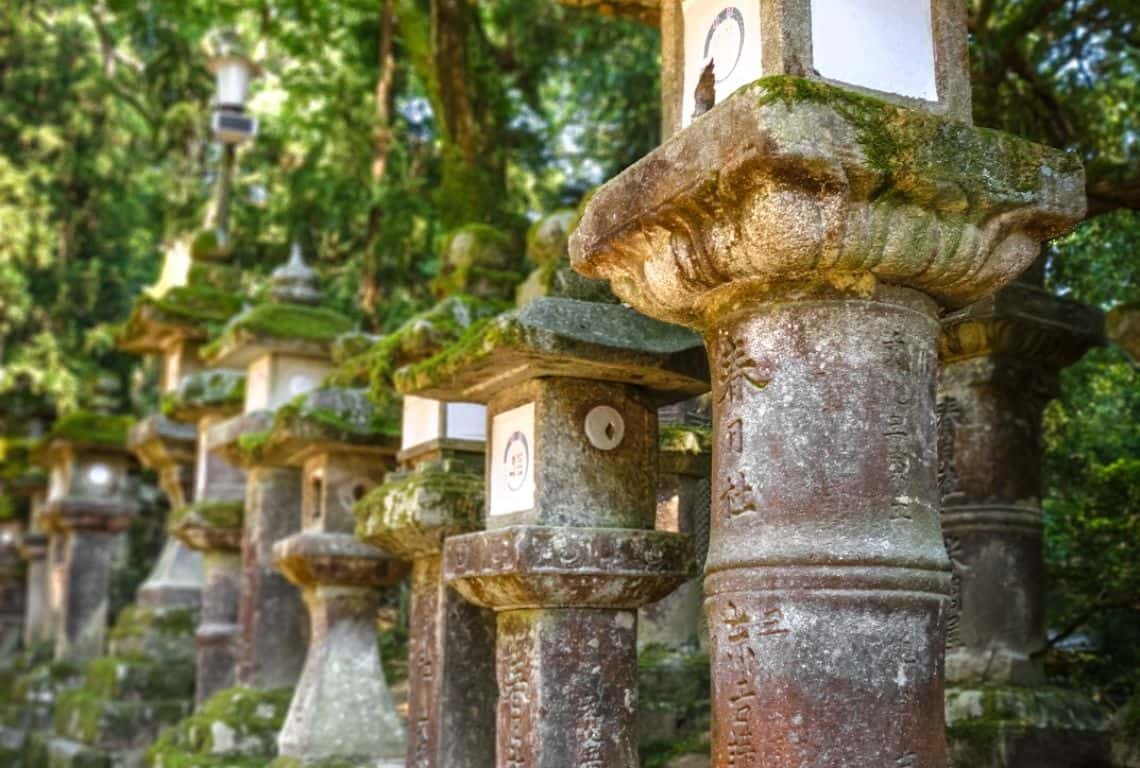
{"x":811,"y":226}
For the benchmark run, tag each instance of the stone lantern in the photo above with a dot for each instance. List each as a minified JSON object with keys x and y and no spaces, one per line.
{"x":212,"y":524}
{"x":89,"y":504}
{"x":810,"y":225}
{"x":33,"y":549}
{"x":342,"y":708}
{"x":569,"y":553}
{"x":438,"y":493}
{"x":1001,"y":360}
{"x":284,"y":347}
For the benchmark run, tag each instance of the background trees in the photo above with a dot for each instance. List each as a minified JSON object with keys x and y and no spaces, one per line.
{"x":385,"y":123}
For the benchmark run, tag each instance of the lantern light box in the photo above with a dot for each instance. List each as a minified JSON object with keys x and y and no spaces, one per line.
{"x":909,"y":51}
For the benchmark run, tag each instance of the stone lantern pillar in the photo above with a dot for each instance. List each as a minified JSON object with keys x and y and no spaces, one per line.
{"x":170,"y":322}
{"x":38,"y":627}
{"x":167,"y":447}
{"x":212,"y":524}
{"x":437,"y":494}
{"x":13,"y":587}
{"x":283,"y":346}
{"x":342,"y":709}
{"x":810,"y":227}
{"x":1001,"y":360}
{"x":569,"y":553}
{"x":89,"y":504}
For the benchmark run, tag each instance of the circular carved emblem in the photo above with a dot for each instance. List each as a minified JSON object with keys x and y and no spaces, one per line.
{"x":516,"y":461}
{"x":725,"y":41}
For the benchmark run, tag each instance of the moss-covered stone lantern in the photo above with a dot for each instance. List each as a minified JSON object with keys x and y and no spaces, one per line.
{"x":212,"y":523}
{"x":1001,"y":364}
{"x":438,"y":493}
{"x":809,"y":224}
{"x":90,"y":503}
{"x":342,"y":708}
{"x":284,"y":346}
{"x":569,"y":553}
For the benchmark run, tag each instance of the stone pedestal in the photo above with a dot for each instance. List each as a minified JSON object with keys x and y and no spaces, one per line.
{"x":271,"y":616}
{"x":569,"y":553}
{"x":807,"y":231}
{"x":281,"y":363}
{"x":212,"y":524}
{"x":168,"y":448}
{"x":88,"y":508}
{"x":342,"y":709}
{"x":1000,"y":363}
{"x":37,"y":616}
{"x":451,"y":703}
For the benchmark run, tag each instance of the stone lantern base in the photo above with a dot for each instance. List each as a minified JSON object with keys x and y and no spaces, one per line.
{"x":1012,"y":727}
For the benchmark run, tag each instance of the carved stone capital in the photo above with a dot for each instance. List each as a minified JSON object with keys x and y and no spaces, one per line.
{"x":310,"y":559}
{"x":791,"y":183}
{"x":1022,"y":323}
{"x":413,"y":512}
{"x":548,"y":567}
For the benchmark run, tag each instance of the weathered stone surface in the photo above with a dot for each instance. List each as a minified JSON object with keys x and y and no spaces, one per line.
{"x":566,"y":338}
{"x":683,"y":506}
{"x":271,"y":616}
{"x":1011,"y":727}
{"x":547,"y":248}
{"x":452,"y":692}
{"x":1001,"y":361}
{"x":416,"y":510}
{"x":782,"y":184}
{"x":798,"y":225}
{"x":529,"y":566}
{"x":567,"y":688}
{"x":342,"y":707}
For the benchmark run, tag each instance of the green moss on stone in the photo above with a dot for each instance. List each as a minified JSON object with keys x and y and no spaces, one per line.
{"x":344,"y":415}
{"x":93,"y":429}
{"x":216,"y":389}
{"x":923,"y":153}
{"x":250,"y":444}
{"x":680,"y":438}
{"x":235,"y":728}
{"x":415,"y":511}
{"x":283,"y":321}
{"x":226,"y":515}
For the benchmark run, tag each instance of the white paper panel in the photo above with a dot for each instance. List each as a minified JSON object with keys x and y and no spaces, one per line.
{"x":512,"y":461}
{"x":421,"y":421}
{"x":466,"y":421}
{"x":887,"y":45}
{"x":729,"y":34}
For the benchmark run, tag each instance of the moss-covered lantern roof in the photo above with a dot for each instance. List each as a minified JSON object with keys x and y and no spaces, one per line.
{"x":194,"y":310}
{"x":291,"y":323}
{"x":563,"y":337}
{"x":323,"y":420}
{"x":94,"y":430}
{"x":217,"y":392}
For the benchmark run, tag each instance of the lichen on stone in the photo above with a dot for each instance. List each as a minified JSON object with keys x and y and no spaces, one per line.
{"x":920,"y":153}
